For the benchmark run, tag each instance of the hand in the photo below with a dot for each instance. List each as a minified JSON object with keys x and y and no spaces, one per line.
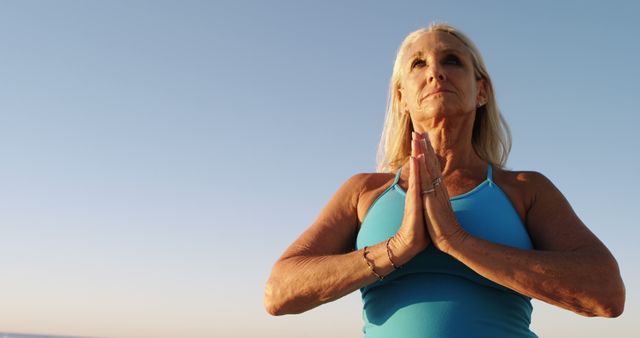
{"x":412,"y":237}
{"x":441,"y":222}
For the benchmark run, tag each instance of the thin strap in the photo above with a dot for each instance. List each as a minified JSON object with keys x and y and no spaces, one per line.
{"x":489,"y":174}
{"x":397,"y":177}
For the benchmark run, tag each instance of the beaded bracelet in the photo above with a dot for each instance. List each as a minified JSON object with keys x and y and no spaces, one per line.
{"x":370,"y":264}
{"x":389,"y":255}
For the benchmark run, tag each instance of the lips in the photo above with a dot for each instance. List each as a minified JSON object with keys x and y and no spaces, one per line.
{"x":439,"y":91}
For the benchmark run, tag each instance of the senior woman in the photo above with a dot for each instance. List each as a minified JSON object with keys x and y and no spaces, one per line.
{"x":444,"y":241}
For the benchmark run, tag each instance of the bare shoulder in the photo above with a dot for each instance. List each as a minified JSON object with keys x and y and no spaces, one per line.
{"x":373,"y":185}
{"x":550,"y":220}
{"x":335,"y":229}
{"x":519,"y":188}
{"x":361,"y":190}
{"x":528,"y":185}
{"x":360,"y":186}
{"x":519,"y":179}
{"x":352,"y":189}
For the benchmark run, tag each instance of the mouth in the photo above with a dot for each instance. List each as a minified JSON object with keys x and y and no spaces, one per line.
{"x":439,"y":91}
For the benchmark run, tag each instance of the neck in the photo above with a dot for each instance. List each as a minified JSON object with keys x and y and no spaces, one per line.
{"x":451,"y":139}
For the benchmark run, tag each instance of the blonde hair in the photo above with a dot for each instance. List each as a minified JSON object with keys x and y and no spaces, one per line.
{"x":491,"y":139}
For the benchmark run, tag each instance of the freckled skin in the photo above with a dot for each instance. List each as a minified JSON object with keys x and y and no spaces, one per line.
{"x":570,"y":268}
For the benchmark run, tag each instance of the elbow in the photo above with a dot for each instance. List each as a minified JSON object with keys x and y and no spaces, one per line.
{"x":611,"y":299}
{"x":615,"y":306}
{"x":272,"y":308}
{"x":614,"y":312}
{"x":271,"y":303}
{"x":283,"y":295}
{"x":611,"y":310}
{"x":612,"y":305}
{"x":280,"y":300}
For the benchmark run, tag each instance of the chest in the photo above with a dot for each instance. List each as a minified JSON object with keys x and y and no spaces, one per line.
{"x":514,"y":190}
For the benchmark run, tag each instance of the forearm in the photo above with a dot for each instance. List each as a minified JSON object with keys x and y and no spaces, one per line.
{"x":300,"y":283}
{"x":584,"y":281}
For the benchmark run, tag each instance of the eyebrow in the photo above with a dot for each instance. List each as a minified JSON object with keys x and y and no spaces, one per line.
{"x":444,"y":51}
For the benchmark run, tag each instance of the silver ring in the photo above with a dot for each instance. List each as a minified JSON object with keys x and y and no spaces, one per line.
{"x":430,"y":190}
{"x":436,"y":183}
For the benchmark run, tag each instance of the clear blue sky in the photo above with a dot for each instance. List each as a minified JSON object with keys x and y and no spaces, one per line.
{"x":158,"y":156}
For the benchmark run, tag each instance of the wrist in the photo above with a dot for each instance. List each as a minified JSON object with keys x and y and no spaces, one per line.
{"x":390,"y":254}
{"x":455,"y":241}
{"x":400,"y":252}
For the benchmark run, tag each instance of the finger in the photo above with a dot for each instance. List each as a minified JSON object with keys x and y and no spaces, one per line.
{"x":416,"y":148}
{"x":430,"y":157}
{"x":433,"y":163}
{"x":423,"y":144}
{"x":414,"y":151}
{"x":425,"y":178}
{"x":414,"y":182}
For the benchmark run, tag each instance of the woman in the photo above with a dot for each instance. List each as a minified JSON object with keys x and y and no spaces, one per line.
{"x":447,"y":242}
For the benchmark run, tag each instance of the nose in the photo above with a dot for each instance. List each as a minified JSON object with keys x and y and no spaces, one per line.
{"x":435,"y":72}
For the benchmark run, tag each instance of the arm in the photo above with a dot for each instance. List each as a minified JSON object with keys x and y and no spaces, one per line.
{"x":321,"y":266}
{"x":570,"y":267}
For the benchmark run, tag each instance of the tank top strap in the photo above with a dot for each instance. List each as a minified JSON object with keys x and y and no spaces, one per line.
{"x":489,"y":174}
{"x":395,"y":181}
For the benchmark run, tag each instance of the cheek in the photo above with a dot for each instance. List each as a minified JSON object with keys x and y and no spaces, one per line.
{"x":468,"y":92}
{"x":413,"y":92}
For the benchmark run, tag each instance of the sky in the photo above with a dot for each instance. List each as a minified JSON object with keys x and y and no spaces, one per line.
{"x":159,"y":156}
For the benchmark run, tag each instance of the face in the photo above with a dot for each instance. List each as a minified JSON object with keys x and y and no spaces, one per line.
{"x":438,"y":78}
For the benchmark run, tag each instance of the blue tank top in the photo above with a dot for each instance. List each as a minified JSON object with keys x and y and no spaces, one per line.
{"x":435,"y":295}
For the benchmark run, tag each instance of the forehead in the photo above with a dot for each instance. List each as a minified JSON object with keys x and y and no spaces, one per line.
{"x":433,"y":43}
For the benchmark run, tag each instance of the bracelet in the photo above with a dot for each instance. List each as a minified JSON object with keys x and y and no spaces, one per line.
{"x":389,"y":255}
{"x":370,"y":264}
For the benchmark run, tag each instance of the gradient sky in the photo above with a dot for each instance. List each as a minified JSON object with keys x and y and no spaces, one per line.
{"x":158,"y":156}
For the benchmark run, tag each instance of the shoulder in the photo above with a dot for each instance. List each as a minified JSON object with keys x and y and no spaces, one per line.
{"x":521,"y":177}
{"x":362,"y":189}
{"x":357,"y":187}
{"x":360,"y":185}
{"x":519,"y":186}
{"x":357,"y":183}
{"x":550,"y":220}
{"x":531,"y":186}
{"x":528,"y":184}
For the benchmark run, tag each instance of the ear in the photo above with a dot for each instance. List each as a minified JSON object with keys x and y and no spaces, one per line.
{"x":483,"y":93}
{"x":401,"y":101}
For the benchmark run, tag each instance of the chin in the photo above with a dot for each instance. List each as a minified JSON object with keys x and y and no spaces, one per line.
{"x":434,"y":113}
{"x":442,"y":111}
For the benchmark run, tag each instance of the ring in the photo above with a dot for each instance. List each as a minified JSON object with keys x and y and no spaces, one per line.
{"x":436,"y":183}
{"x":432,"y":189}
